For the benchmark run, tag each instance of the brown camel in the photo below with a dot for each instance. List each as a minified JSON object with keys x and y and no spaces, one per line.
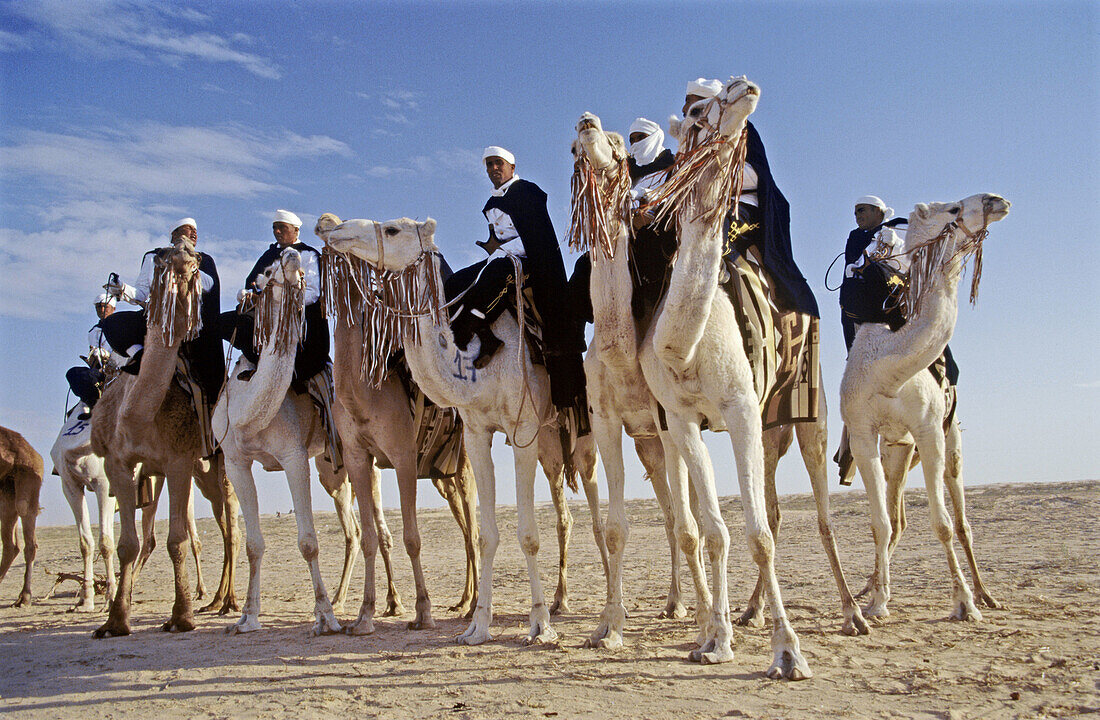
{"x":20,"y":482}
{"x":376,"y":424}
{"x":149,"y":420}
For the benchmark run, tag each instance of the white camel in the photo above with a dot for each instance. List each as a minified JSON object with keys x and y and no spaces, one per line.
{"x":510,"y":395}
{"x":886,"y":393}
{"x":80,"y":469}
{"x":259,"y":420}
{"x":617,"y":391}
{"x":695,"y":364}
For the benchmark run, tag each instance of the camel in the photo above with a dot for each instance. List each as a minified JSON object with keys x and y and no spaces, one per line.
{"x":617,"y":391}
{"x":510,"y":395}
{"x":260,"y":420}
{"x":377,"y":423}
{"x":887,"y":396}
{"x":694,"y":361}
{"x":149,"y":420}
{"x":20,"y":483}
{"x":81,"y":469}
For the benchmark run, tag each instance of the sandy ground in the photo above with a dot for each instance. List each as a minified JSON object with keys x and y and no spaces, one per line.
{"x":1039,"y":656}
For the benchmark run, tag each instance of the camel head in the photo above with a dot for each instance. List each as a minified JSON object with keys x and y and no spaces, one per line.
{"x":280,"y":308}
{"x":602,"y":149}
{"x":723,"y":115}
{"x":286,"y":271}
{"x":392,"y":245}
{"x":942,"y":236}
{"x":175,"y":297}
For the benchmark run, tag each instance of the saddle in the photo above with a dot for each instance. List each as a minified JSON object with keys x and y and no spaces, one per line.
{"x":439,"y":438}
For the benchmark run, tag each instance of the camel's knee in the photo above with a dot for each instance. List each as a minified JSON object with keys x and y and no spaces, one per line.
{"x":307,"y":544}
{"x":529,"y":541}
{"x":761,"y":546}
{"x":615,"y":536}
{"x":942,"y":528}
{"x":369,"y":544}
{"x":487,"y":543}
{"x":962,"y":529}
{"x":196,"y":545}
{"x":127,"y":551}
{"x":385,"y":540}
{"x":412,"y":542}
{"x":176,"y":549}
{"x":86,"y":546}
{"x":254,"y":549}
{"x":106,"y":547}
{"x":688,"y":539}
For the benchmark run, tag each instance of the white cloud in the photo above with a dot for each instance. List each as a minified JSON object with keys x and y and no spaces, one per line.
{"x":1090,"y":385}
{"x":459,"y":162}
{"x":151,"y":31}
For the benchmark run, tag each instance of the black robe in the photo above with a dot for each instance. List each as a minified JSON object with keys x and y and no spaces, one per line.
{"x":563,"y":334}
{"x":792,"y":291}
{"x":663,"y":161}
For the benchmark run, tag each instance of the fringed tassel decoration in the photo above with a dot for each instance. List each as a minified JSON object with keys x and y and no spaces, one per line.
{"x":590,"y":227}
{"x":684,"y":196}
{"x":280,"y":320}
{"x":342,"y":286}
{"x":174,"y":312}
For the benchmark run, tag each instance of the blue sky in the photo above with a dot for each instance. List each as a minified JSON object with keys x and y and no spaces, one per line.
{"x":117,"y":118}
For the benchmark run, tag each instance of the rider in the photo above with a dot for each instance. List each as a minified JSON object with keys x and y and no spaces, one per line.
{"x":125,"y":330}
{"x":238,"y":326}
{"x":87,"y":380}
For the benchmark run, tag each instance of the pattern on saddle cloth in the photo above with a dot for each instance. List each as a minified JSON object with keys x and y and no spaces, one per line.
{"x":321,"y":393}
{"x":782,"y":347}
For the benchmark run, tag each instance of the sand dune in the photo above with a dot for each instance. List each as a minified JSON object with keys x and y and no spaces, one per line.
{"x":1039,"y":656}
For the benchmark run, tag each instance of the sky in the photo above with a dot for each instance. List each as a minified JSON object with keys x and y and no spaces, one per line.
{"x":119,"y":117}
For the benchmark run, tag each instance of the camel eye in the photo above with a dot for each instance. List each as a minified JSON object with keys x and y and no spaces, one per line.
{"x":391,"y":231}
{"x":955,"y":210}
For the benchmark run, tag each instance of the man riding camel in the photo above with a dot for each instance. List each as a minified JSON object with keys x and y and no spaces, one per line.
{"x":86,"y":381}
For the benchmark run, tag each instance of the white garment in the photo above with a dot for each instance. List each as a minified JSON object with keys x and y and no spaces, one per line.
{"x":748,"y":186}
{"x":888,"y":246}
{"x":645,"y":187}
{"x":648,"y":148}
{"x":137,"y":295}
{"x":312,"y":274}
{"x":503,"y":228}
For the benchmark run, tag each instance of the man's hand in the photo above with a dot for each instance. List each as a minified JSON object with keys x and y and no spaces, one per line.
{"x":491,"y":245}
{"x":244,"y":297}
{"x":642,"y":217}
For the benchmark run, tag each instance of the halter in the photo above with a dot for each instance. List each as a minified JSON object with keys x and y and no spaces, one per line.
{"x":280,"y":320}
{"x":162,"y":307}
{"x":931,"y":255}
{"x":589,"y":228}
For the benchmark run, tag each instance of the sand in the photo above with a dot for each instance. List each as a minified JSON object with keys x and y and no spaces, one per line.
{"x":1039,"y":656}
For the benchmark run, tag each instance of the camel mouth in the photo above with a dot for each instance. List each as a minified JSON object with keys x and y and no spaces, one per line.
{"x":996,"y":207}
{"x":586,"y":124}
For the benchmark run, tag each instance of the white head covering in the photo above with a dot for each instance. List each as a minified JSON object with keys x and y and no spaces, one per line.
{"x":185,"y":221}
{"x":648,"y":148}
{"x":704,"y":88}
{"x":876,"y":201}
{"x":105,"y":299}
{"x":497,"y":151}
{"x":285,"y":216}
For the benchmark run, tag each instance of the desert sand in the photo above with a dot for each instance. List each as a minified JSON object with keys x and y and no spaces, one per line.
{"x":1038,"y":656}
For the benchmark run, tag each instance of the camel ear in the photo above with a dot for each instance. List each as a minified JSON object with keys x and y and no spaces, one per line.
{"x":427,"y":228}
{"x":674,"y":123}
{"x":921,"y":210}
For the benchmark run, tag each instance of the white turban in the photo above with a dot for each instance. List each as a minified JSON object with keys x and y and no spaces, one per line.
{"x":648,"y":148}
{"x":285,"y":216}
{"x":876,"y":201}
{"x":105,"y":299}
{"x":497,"y":151}
{"x":704,"y":88}
{"x":185,"y":221}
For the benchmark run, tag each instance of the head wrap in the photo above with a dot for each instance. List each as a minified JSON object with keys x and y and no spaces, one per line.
{"x":285,"y":216}
{"x":105,"y":299}
{"x":876,"y":201}
{"x":497,"y":151}
{"x":185,"y":221}
{"x":648,"y":148}
{"x":704,"y":88}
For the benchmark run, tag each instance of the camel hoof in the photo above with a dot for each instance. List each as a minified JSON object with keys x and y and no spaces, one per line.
{"x":752,"y":617}
{"x":856,"y":625}
{"x":967,"y":612}
{"x":426,"y":623}
{"x":989,"y":602}
{"x":230,"y":605}
{"x":466,"y":610}
{"x":182,"y":624}
{"x":326,"y":625}
{"x":112,"y":629}
{"x":561,"y":605}
{"x":363,"y":626}
{"x":790,"y":666}
{"x":85,"y":606}
{"x":674,"y":610}
{"x":606,"y":640}
{"x":705,"y":647}
{"x":247,"y":624}
{"x":541,"y":635}
{"x":394,"y":608}
{"x":216,"y":604}
{"x":23,"y":601}
{"x":876,"y":611}
{"x":473,"y":636}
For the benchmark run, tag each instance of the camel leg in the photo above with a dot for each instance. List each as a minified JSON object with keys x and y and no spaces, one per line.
{"x":896,"y":459}
{"x":296,"y":465}
{"x":9,"y":518}
{"x":181,"y":521}
{"x":653,"y":460}
{"x":337,"y":486}
{"x":394,"y":607}
{"x":526,"y":462}
{"x":608,"y":431}
{"x":461,"y":495}
{"x":776,"y":443}
{"x":74,"y":495}
{"x":196,"y":545}
{"x":556,"y":476}
{"x":716,"y":647}
{"x":813,"y":441}
{"x":148,"y":524}
{"x":953,"y":480}
{"x":216,"y":488}
{"x":479,"y":450}
{"x":748,"y":448}
{"x":865,"y":449}
{"x":123,"y":481}
{"x":686,"y":530}
{"x":364,"y":477}
{"x":584,"y":459}
{"x":405,"y":468}
{"x":29,"y":517}
{"x":107,"y":536}
{"x":244,"y":486}
{"x":930,"y":445}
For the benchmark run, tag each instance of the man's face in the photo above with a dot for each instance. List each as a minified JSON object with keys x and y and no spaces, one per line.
{"x":186,"y":231}
{"x":869,"y":216}
{"x":689,"y":100}
{"x":499,"y":170}
{"x":285,"y":234}
{"x":637,"y":137}
{"x":104,"y":309}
